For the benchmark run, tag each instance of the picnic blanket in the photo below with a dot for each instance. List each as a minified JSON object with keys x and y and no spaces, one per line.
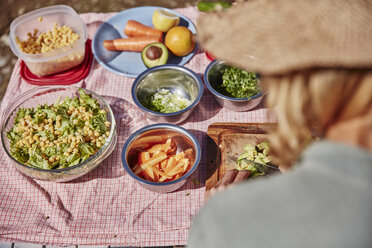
{"x":107,"y":207}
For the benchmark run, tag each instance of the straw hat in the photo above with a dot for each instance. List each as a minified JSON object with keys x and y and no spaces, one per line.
{"x":278,"y":36}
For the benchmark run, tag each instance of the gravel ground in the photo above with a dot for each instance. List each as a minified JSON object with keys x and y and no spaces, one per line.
{"x":15,"y":8}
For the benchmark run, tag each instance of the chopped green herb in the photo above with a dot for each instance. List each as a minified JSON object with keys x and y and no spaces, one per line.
{"x":238,"y":83}
{"x":195,"y":181}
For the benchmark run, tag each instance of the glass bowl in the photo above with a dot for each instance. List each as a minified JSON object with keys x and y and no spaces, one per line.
{"x":49,"y":95}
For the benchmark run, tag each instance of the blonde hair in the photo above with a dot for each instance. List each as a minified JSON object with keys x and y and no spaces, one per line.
{"x":307,"y":103}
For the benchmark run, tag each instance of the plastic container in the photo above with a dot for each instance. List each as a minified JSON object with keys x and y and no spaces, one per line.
{"x":60,"y":59}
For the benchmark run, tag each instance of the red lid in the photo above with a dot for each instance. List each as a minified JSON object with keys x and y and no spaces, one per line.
{"x":210,"y":56}
{"x":71,"y":76}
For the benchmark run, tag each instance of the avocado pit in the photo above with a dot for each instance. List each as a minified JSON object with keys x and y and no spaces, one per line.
{"x":154,"y":54}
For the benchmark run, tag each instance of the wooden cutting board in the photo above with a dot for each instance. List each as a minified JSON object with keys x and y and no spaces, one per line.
{"x":228,"y":139}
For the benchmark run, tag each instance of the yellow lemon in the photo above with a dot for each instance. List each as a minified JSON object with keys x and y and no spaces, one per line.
{"x":164,"y":20}
{"x":180,"y":40}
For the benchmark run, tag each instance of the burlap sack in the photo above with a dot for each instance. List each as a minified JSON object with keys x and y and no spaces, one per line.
{"x":277,"y":36}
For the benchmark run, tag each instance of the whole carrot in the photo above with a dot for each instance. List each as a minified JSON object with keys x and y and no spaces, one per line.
{"x":134,"y":29}
{"x":133,"y":44}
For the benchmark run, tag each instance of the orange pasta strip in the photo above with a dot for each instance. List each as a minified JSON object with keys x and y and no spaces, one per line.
{"x":152,"y":161}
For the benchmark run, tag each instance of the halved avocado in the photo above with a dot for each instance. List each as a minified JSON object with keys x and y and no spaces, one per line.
{"x":154,"y":54}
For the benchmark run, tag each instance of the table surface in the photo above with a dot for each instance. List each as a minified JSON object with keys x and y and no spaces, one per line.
{"x":106,"y":206}
{"x":26,"y":245}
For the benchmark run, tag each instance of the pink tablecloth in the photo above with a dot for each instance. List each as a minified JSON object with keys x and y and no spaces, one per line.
{"x":106,"y":207}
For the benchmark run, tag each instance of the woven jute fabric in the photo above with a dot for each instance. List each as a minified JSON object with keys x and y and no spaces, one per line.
{"x":275,"y":37}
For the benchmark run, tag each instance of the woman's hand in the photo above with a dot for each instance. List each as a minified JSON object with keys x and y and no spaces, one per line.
{"x":231,"y":177}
